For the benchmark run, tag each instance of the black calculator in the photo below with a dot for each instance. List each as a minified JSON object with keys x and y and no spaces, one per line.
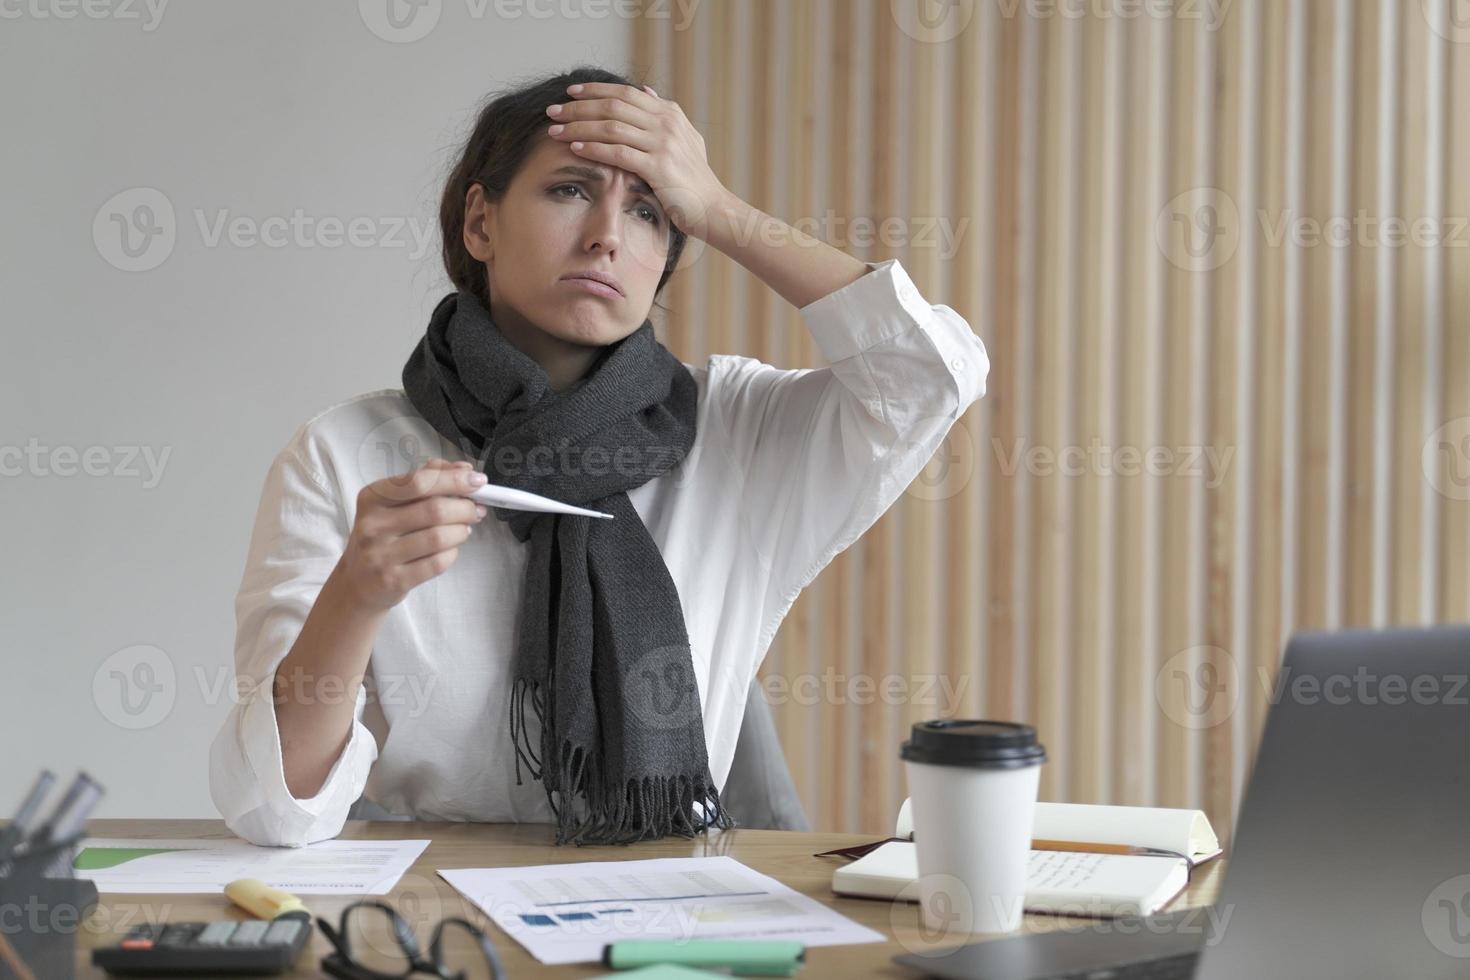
{"x":255,"y":946}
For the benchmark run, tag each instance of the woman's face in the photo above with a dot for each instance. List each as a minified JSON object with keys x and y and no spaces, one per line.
{"x":563,"y":215}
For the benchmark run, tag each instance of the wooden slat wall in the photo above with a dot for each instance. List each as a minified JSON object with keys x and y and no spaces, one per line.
{"x":1070,"y":154}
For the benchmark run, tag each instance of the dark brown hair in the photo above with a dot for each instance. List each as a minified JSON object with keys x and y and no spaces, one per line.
{"x":504,"y":135}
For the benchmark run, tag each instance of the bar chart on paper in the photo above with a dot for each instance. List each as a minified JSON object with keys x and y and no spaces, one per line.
{"x":566,"y":913}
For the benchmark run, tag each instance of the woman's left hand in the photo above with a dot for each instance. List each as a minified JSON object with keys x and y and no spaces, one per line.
{"x":635,"y":130}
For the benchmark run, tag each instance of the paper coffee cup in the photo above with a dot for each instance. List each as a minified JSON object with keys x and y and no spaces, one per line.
{"x":973,"y":789}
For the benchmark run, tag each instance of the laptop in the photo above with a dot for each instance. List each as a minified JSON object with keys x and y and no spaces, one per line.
{"x":1352,"y":851}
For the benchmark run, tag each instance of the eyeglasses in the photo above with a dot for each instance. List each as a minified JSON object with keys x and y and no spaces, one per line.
{"x":373,"y":942}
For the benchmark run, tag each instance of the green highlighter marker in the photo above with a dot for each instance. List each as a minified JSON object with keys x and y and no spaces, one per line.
{"x":743,"y":957}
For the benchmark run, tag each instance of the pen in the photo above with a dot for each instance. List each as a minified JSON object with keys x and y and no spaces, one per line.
{"x":743,"y":957}
{"x":67,"y":820}
{"x":1039,"y":844}
{"x":20,"y":824}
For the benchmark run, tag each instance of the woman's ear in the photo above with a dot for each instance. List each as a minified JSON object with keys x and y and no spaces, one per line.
{"x":479,"y":224}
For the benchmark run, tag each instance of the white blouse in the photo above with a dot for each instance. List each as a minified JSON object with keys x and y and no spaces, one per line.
{"x":788,"y":468}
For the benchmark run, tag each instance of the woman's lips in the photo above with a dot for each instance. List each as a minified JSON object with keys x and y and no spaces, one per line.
{"x":593,"y":286}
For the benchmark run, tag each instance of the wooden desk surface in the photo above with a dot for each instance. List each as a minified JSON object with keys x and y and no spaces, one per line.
{"x":423,"y":897}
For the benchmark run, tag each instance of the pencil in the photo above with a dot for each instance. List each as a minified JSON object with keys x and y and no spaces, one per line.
{"x":1068,"y":845}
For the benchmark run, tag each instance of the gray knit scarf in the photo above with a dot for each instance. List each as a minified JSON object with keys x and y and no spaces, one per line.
{"x":602,"y":652}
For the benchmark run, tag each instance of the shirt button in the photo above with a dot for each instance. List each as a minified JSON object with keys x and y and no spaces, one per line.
{"x":958,"y":363}
{"x":906,"y":292}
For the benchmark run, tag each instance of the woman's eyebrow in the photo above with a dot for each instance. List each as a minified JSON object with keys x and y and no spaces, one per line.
{"x":599,"y":175}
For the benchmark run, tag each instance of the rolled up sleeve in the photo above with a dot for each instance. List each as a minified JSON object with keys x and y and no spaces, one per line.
{"x":823,"y":452}
{"x":298,"y":537}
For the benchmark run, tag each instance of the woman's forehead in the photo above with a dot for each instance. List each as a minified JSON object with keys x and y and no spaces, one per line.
{"x":556,"y":159}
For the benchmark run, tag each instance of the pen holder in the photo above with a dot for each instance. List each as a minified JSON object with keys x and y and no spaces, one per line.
{"x":42,"y":905}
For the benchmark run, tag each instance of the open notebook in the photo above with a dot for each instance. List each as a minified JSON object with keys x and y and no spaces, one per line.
{"x":1068,"y":882}
{"x":1063,"y":882}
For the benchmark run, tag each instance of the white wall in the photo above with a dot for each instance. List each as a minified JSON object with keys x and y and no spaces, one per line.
{"x":255,"y":109}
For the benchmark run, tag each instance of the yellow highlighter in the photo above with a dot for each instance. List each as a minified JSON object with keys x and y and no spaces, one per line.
{"x":263,"y":901}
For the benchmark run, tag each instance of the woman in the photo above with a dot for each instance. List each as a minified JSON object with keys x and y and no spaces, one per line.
{"x":608,"y":660}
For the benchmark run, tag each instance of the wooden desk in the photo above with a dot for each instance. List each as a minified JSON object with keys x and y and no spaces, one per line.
{"x":423,"y":897}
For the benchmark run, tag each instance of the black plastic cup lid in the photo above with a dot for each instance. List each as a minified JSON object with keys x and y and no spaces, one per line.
{"x":973,"y":744}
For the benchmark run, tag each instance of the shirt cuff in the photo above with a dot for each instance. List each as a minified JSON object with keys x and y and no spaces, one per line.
{"x":864,"y":313}
{"x":885,"y":304}
{"x":300,"y":818}
{"x":963,"y":352}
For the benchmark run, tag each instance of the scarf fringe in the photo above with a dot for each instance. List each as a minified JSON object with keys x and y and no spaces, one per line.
{"x":634,"y":810}
{"x":518,"y":736}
